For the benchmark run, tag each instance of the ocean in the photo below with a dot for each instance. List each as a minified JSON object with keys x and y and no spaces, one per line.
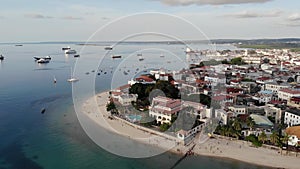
{"x":55,"y":139}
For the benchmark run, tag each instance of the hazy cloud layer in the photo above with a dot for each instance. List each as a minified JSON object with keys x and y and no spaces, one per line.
{"x":37,"y":16}
{"x":291,"y":24}
{"x":294,"y":17}
{"x":210,"y":2}
{"x":252,"y":14}
{"x":40,"y":16}
{"x":71,"y":18}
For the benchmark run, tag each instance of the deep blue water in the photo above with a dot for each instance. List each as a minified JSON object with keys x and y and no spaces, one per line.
{"x":55,"y":139}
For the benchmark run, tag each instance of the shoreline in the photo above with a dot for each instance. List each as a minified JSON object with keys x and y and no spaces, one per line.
{"x":215,"y":148}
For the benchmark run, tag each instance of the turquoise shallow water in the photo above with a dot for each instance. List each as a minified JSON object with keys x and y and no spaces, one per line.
{"x":55,"y":139}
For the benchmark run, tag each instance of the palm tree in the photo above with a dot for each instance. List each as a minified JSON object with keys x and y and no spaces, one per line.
{"x":223,"y":131}
{"x":285,"y":139}
{"x":274,"y":138}
{"x":262,"y":137}
{"x":237,"y":125}
{"x":250,"y":122}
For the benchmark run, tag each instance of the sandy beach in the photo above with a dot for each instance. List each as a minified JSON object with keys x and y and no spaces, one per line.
{"x":217,"y":147}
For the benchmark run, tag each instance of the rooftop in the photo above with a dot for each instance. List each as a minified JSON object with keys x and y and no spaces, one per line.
{"x":295,"y":130}
{"x":290,"y":91}
{"x":261,"y":120}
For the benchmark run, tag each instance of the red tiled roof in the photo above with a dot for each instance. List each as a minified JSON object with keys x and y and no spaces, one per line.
{"x":144,"y":78}
{"x":276,"y":102}
{"x":124,"y":87}
{"x":116,"y":93}
{"x":290,"y":91}
{"x":233,"y":90}
{"x":297,"y":99}
{"x":263,"y":78}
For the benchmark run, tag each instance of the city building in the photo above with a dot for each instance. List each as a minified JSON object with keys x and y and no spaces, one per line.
{"x":163,"y":108}
{"x":292,"y":117}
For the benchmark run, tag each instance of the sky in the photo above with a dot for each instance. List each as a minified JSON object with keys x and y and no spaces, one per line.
{"x":74,"y":20}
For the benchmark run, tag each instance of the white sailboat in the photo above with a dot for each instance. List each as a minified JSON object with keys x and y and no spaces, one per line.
{"x":72,"y":78}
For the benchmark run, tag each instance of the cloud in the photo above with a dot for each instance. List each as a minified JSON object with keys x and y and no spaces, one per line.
{"x":252,"y":14}
{"x":37,"y":16}
{"x":294,"y":17}
{"x":291,"y":24}
{"x":209,"y":2}
{"x":71,"y":18}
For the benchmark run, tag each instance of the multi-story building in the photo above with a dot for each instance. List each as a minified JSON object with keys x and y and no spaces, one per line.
{"x":294,"y":102}
{"x":272,"y":111}
{"x":252,"y":59}
{"x":163,"y":108}
{"x":292,"y":117}
{"x":126,"y":99}
{"x":275,"y":87}
{"x":263,"y":96}
{"x":214,"y":80}
{"x":238,"y":109}
{"x":286,"y":94}
{"x":223,"y":116}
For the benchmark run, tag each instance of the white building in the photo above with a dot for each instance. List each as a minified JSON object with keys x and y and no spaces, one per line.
{"x":272,"y":111}
{"x":223,"y":116}
{"x":252,"y":59}
{"x":292,"y":117}
{"x":161,"y":74}
{"x":275,"y":87}
{"x":214,"y":80}
{"x":238,"y":109}
{"x":263,"y":96}
{"x":199,"y":109}
{"x":126,"y":99}
{"x":162,"y":109}
{"x":286,"y":94}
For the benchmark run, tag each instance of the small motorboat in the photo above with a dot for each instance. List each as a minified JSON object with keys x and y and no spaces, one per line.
{"x":42,"y":60}
{"x":19,"y":45}
{"x":45,"y":58}
{"x":1,"y":57}
{"x":108,"y":48}
{"x":66,"y":48}
{"x":43,"y":110}
{"x":76,"y":56}
{"x":72,"y":78}
{"x":70,"y":51}
{"x":116,"y":56}
{"x":141,"y":59}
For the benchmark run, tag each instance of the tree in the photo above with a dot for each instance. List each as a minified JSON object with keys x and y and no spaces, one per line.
{"x":262,"y":137}
{"x":237,"y":61}
{"x":164,"y":127}
{"x":290,"y":79}
{"x":252,"y":138}
{"x":285,"y":139}
{"x":274,"y":138}
{"x":250,"y":123}
{"x":237,"y":125}
{"x":110,"y":106}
